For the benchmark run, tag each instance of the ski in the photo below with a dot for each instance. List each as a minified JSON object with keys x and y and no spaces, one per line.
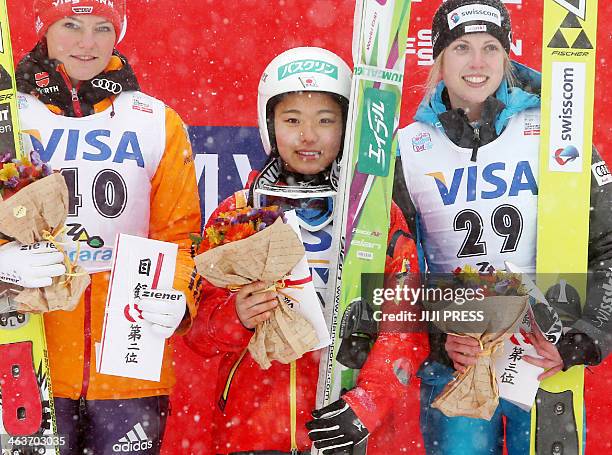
{"x":27,"y":423}
{"x":363,"y":203}
{"x":568,"y":79}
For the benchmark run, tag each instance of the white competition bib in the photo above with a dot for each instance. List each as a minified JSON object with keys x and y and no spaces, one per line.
{"x":108,"y":163}
{"x":475,"y":213}
{"x":318,"y":246}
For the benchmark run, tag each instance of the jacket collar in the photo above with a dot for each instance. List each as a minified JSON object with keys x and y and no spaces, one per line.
{"x":45,"y":78}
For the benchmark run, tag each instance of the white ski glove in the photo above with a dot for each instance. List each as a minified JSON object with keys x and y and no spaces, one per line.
{"x":164,"y":309}
{"x":30,"y":266}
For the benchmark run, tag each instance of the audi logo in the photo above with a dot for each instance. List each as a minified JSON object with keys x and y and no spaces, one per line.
{"x":601,"y":170}
{"x":113,"y":87}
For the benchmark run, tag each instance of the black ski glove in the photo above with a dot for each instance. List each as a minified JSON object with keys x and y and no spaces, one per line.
{"x":336,"y":428}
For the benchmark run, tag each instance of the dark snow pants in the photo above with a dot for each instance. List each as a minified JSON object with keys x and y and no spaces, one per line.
{"x":111,"y":426}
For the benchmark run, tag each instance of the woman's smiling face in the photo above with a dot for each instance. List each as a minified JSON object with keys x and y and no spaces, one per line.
{"x":84,"y":45}
{"x":308,"y":128}
{"x":472,"y":70}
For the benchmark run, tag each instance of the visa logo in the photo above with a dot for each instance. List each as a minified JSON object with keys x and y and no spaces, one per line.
{"x":522,"y":180}
{"x":317,"y":241}
{"x":98,"y":150}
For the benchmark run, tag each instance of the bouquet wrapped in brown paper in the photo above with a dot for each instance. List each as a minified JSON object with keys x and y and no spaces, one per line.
{"x":251,"y":245}
{"x":33,"y":208}
{"x":474,"y":393}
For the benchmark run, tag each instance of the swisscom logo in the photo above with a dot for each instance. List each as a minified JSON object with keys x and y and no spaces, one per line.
{"x":566,"y":155}
{"x":567,"y":116}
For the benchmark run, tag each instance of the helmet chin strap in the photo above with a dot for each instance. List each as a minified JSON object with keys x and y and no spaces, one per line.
{"x":275,"y":172}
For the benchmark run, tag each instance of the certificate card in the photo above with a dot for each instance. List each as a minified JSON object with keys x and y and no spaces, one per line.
{"x":129,"y":348}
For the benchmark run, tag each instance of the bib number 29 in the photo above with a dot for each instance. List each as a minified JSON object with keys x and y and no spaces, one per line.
{"x":506,"y":221}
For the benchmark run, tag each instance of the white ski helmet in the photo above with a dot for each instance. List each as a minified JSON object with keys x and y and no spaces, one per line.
{"x":301,"y":69}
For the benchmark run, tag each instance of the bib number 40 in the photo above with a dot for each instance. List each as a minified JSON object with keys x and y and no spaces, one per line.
{"x":108,"y":192}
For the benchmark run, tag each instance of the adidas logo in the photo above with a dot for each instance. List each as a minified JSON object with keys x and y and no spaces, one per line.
{"x":135,"y":440}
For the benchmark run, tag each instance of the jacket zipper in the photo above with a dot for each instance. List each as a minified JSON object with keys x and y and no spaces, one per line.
{"x":86,"y":346}
{"x":74,"y":92}
{"x":476,"y":143}
{"x":228,"y":382}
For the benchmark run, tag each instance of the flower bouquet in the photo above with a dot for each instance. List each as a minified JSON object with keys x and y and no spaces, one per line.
{"x":34,"y":207}
{"x":501,"y":305}
{"x":247,"y":245}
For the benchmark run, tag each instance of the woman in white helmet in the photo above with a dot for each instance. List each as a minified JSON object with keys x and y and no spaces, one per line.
{"x":302,"y":109}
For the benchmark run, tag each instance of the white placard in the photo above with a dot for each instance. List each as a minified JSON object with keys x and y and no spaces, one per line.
{"x":303,"y":296}
{"x":129,"y":348}
{"x":517,"y":379}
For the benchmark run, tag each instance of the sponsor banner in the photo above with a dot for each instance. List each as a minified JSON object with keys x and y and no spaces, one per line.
{"x":224,"y":157}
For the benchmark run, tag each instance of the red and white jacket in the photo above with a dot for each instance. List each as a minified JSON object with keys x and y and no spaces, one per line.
{"x":267,"y":409}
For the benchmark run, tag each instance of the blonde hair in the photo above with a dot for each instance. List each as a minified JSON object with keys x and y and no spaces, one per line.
{"x":435,"y":74}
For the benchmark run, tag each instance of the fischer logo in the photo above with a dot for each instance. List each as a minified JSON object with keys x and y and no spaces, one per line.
{"x":566,"y":33}
{"x":577,"y":7}
{"x":110,"y":86}
{"x":474,"y":13}
{"x":135,"y":440}
{"x":567,"y":116}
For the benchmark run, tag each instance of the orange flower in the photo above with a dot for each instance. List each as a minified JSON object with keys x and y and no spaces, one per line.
{"x":238,"y":232}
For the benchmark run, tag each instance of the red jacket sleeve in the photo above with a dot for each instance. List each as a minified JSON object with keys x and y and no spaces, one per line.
{"x":399,"y":348}
{"x":217,"y":328}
